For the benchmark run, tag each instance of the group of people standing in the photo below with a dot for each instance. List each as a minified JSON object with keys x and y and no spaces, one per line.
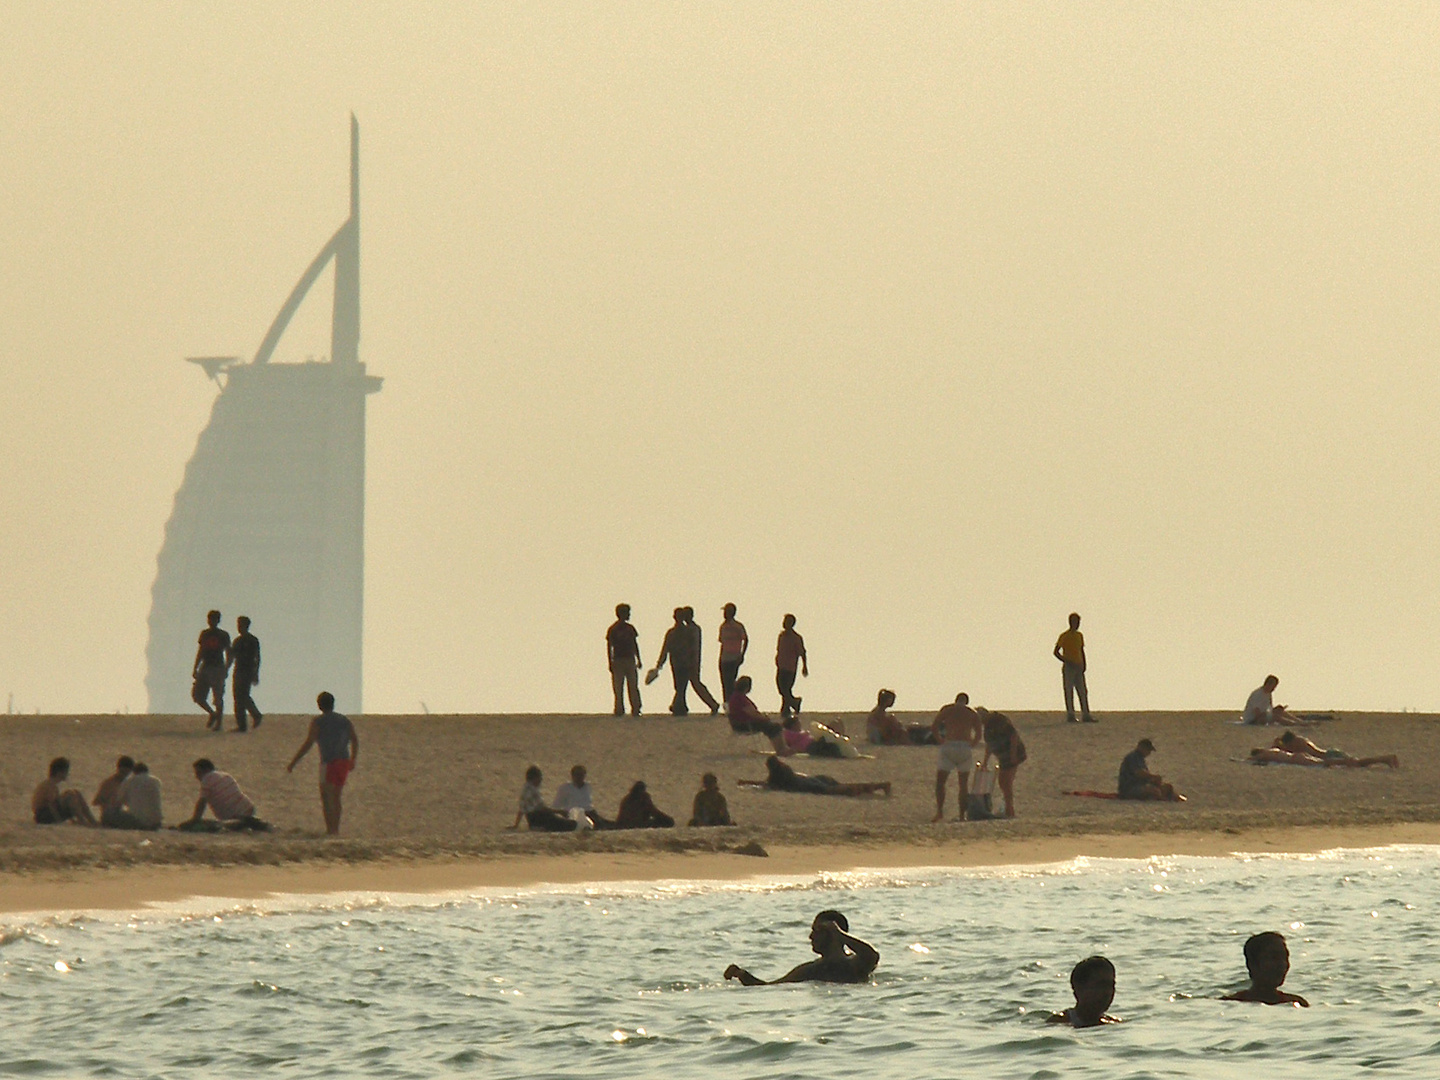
{"x":682,"y":648}
{"x":218,"y":657}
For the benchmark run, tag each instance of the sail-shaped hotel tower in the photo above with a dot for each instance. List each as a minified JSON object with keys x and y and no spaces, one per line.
{"x":269,"y":521}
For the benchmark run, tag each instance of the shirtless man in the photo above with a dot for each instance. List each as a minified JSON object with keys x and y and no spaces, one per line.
{"x":1292,"y":749}
{"x":107,"y":797}
{"x":212,"y":665}
{"x":1093,"y":982}
{"x":959,"y":730}
{"x":51,"y":806}
{"x":1267,"y":959}
{"x":843,"y":959}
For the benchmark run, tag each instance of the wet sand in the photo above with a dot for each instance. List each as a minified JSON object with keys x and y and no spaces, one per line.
{"x":428,"y":807}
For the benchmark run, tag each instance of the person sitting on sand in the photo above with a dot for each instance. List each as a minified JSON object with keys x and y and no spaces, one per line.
{"x":1267,"y":959}
{"x":1298,"y":744}
{"x":140,"y":801}
{"x":220,"y":792}
{"x":1138,"y":782}
{"x":710,"y":808}
{"x":843,"y":959}
{"x":537,"y":815}
{"x":1003,"y":742}
{"x":1093,"y":981}
{"x":107,"y":796}
{"x":638,"y":811}
{"x":881,"y":728}
{"x":51,"y":806}
{"x":745,"y":717}
{"x":783,"y":778}
{"x":578,"y":795}
{"x":1260,"y":707}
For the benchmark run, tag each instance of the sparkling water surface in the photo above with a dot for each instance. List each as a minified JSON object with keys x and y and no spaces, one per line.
{"x":625,"y":981}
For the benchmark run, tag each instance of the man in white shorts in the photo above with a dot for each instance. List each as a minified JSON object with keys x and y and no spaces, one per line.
{"x":958,"y":729}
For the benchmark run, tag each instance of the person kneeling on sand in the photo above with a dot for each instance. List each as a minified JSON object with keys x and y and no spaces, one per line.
{"x":843,"y":959}
{"x":745,"y":718}
{"x":1138,"y":782}
{"x":710,"y":808}
{"x":638,"y":811}
{"x":1299,"y":745}
{"x":537,"y":815}
{"x":51,"y":806}
{"x":1267,"y":959}
{"x":1093,"y":981}
{"x":107,"y":796}
{"x":140,"y":801}
{"x":783,"y":778}
{"x":226,"y":801}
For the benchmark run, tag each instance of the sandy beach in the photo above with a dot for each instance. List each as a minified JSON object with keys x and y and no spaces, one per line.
{"x":428,"y":807}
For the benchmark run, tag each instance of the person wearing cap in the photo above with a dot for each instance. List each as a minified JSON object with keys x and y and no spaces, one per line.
{"x":1138,"y":782}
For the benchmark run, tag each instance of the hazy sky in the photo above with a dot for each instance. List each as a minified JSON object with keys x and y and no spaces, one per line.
{"x":929,"y":323}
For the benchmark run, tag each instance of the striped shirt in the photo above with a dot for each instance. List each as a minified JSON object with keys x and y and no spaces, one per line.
{"x":225,"y":797}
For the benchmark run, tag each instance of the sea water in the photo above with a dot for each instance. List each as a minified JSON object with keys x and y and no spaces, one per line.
{"x":625,"y":981}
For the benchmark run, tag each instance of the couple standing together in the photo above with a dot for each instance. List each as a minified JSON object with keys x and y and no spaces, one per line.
{"x":682,"y":647}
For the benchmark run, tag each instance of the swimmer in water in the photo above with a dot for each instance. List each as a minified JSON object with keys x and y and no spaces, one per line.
{"x":1093,"y":981}
{"x":843,"y":959}
{"x":1267,"y":958}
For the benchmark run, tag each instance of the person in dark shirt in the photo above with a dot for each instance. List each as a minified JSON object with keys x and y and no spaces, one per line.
{"x":1267,"y":959}
{"x":622,"y":653}
{"x":843,"y":959}
{"x":682,"y":648}
{"x":1138,"y":782}
{"x":244,"y":673}
{"x":339,"y":752}
{"x":638,"y":811}
{"x":1093,"y":981}
{"x":781,"y":777}
{"x":212,"y":663}
{"x":710,"y":808}
{"x":789,"y":655}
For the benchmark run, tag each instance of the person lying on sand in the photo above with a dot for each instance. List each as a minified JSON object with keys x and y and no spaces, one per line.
{"x":843,"y":959}
{"x":1260,"y":707}
{"x":1138,"y":782}
{"x":226,"y":801}
{"x":745,"y":718}
{"x":1298,"y":744}
{"x":638,"y":811}
{"x":51,"y":806}
{"x":537,"y":815}
{"x":783,"y":778}
{"x":1267,"y":959}
{"x":1093,"y":981}
{"x":710,"y":808}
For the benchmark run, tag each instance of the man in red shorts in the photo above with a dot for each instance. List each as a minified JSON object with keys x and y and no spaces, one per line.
{"x":339,"y":751}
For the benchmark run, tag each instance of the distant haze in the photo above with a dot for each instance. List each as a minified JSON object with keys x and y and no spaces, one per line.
{"x":929,"y":323}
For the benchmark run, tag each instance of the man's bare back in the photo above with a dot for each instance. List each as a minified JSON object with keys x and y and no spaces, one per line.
{"x":957,"y":722}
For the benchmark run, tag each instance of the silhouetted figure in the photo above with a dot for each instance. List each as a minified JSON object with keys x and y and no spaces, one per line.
{"x":682,"y":648}
{"x":1003,"y":743}
{"x":789,"y":654}
{"x":50,"y":806}
{"x":1138,"y":782}
{"x":537,"y":815}
{"x":710,"y":808}
{"x":244,"y":673}
{"x":1267,"y":959}
{"x":339,"y":753}
{"x":1093,"y":981}
{"x":745,"y":718}
{"x":212,"y":662}
{"x":622,"y":653}
{"x":220,"y":792}
{"x":958,"y":729}
{"x":107,"y":795}
{"x":638,"y":811}
{"x":734,"y":643}
{"x":843,"y":959}
{"x":781,"y":777}
{"x":1070,"y":651}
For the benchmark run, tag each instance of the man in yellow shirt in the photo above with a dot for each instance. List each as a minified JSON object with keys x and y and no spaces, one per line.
{"x":1070,"y":651}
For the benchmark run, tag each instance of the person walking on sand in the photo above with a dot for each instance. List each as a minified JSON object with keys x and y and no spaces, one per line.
{"x":1070,"y":651}
{"x":682,"y":648}
{"x":212,"y":663}
{"x":339,"y":752}
{"x":245,"y":673}
{"x":958,"y":730}
{"x":789,"y":654}
{"x":697,"y":645}
{"x":734,"y":642}
{"x":622,"y":651}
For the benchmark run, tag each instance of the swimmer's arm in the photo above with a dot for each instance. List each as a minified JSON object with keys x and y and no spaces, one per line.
{"x":735,"y":971}
{"x":801,"y":973}
{"x":866,"y":957}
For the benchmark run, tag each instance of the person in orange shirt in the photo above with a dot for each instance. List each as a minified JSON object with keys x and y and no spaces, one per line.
{"x":789,"y":653}
{"x":1070,"y":651}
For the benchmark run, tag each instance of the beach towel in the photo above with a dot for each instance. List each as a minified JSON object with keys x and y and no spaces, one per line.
{"x":1093,"y":794}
